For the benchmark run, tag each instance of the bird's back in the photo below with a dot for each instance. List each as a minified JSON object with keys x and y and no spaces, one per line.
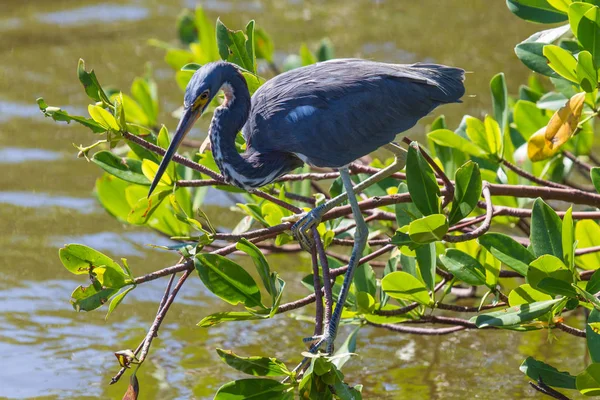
{"x":331,"y":113}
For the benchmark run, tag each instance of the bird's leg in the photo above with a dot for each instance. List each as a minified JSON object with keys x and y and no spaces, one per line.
{"x":301,"y":229}
{"x":360,"y":240}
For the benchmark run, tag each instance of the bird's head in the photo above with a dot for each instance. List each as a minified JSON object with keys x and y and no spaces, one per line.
{"x":201,"y":89}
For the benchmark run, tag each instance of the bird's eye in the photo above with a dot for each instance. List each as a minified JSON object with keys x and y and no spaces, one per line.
{"x":204,"y":95}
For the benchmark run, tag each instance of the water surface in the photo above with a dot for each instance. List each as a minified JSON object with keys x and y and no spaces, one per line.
{"x":51,"y":352}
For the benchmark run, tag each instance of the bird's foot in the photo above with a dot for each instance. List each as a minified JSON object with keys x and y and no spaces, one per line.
{"x":317,"y":341}
{"x":302,"y":230}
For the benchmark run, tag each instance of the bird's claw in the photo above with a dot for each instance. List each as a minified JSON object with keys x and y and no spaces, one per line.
{"x":302,"y":230}
{"x":316,"y":342}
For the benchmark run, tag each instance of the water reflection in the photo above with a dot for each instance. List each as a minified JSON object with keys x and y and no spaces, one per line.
{"x":43,"y":200}
{"x":100,"y":13}
{"x":16,"y":155}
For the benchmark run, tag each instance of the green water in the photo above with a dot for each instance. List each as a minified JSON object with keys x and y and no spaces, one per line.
{"x":49,"y":351}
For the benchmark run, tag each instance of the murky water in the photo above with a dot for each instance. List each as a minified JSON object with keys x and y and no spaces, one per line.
{"x":49,"y":351}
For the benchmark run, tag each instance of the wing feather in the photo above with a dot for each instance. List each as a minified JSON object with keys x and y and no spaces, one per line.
{"x":334,"y":112}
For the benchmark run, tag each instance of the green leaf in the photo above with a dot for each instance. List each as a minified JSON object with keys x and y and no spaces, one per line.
{"x":576,"y":12}
{"x":127,"y":169}
{"x":530,"y":51}
{"x":91,"y":297}
{"x":568,"y":239}
{"x":594,"y":301}
{"x":560,"y":5}
{"x":80,"y":259}
{"x":228,"y":280}
{"x":263,"y":45}
{"x":549,"y":274}
{"x":467,"y":191}
{"x":421,"y":181}
{"x":306,"y":57}
{"x":254,"y":389}
{"x":186,"y":27}
{"x":464,"y":267}
{"x":529,"y":118}
{"x":514,"y":315}
{"x":364,"y":279}
{"x":236,"y":47}
{"x":402,"y":285}
{"x":595,"y":176}
{"x":495,"y":136}
{"x":114,"y":303}
{"x":588,"y":34}
{"x":446,"y":137}
{"x":562,"y":62}
{"x":262,"y":266}
{"x":593,"y":337}
{"x":546,"y":230}
{"x":111,"y":194}
{"x":588,"y":382}
{"x":406,"y":212}
{"x":500,"y":100}
{"x":257,"y":366}
{"x":586,"y":72}
{"x":145,"y":207}
{"x":428,"y":229}
{"x":90,"y":83}
{"x":535,"y":370}
{"x":507,"y":250}
{"x":207,"y":36}
{"x":426,"y":258}
{"x":593,"y":285}
{"x":525,"y":294}
{"x":220,"y":317}
{"x":59,"y":115}
{"x":532,"y":55}
{"x":344,"y":352}
{"x":103,"y":118}
{"x":477,"y":133}
{"x":144,"y":91}
{"x":587,"y":233}
{"x":535,"y":11}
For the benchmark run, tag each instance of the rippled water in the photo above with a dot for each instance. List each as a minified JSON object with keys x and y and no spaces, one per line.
{"x":49,"y":351}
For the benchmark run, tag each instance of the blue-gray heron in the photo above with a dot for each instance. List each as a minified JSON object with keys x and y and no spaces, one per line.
{"x":326,"y":115}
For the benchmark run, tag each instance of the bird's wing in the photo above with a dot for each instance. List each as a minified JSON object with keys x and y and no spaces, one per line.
{"x":332,"y":113}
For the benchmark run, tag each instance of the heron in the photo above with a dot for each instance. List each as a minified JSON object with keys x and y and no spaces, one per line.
{"x":328,"y":115}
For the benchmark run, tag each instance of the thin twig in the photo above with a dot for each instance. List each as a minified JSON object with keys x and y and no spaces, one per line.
{"x":571,"y":330}
{"x":582,"y":165}
{"x":541,"y":387}
{"x":419,"y":331}
{"x":152,"y":333}
{"x":531,"y":177}
{"x":485,"y":226}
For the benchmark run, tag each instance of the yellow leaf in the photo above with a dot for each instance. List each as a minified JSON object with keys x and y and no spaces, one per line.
{"x":103,"y":117}
{"x":149,"y":169}
{"x":547,"y":141}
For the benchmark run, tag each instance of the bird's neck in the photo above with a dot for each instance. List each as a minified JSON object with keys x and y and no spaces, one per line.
{"x":250,"y":169}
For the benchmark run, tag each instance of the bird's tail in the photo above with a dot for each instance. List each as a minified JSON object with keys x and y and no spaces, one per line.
{"x":449,"y":81}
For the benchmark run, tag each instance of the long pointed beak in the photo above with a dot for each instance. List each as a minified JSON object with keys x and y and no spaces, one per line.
{"x":185,"y":124}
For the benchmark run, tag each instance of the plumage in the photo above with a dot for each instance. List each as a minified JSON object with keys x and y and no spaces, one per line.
{"x":334,"y":112}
